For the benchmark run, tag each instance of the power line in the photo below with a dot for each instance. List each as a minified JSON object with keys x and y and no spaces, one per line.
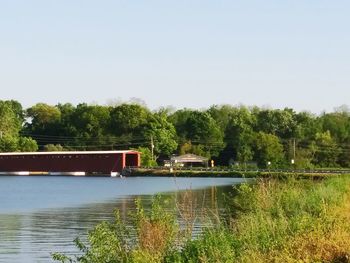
{"x":114,"y":141}
{"x":74,"y":137}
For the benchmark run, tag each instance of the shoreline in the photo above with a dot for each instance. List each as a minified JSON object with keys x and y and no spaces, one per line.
{"x":145,"y":172}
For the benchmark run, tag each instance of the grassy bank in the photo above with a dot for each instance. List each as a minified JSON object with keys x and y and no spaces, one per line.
{"x":291,"y":221}
{"x":271,"y":221}
{"x":228,"y":173}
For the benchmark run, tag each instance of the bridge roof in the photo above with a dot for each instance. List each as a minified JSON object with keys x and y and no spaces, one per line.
{"x":189,"y":158}
{"x":67,"y":152}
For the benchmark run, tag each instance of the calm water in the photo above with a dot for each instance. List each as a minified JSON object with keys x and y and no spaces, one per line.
{"x":40,"y":215}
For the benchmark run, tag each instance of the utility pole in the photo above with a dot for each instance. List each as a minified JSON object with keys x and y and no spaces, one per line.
{"x":293,"y":160}
{"x":152,"y":148}
{"x":294,"y":148}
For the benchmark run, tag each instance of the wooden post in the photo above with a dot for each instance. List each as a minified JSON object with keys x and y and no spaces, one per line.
{"x":152,"y":148}
{"x":294,"y":149}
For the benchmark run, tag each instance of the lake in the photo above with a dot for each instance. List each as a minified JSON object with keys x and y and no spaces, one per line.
{"x":44,"y":214}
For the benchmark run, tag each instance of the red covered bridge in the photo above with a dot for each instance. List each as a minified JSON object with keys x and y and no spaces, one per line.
{"x":79,"y":163}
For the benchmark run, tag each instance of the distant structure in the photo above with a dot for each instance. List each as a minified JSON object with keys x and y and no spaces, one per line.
{"x":189,"y":160}
{"x":68,"y":163}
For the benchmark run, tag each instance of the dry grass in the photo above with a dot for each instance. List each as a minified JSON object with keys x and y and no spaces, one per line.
{"x":315,"y":247}
{"x":327,"y":239}
{"x":152,"y":236}
{"x":331,"y":244}
{"x":156,"y":230}
{"x":288,"y":221}
{"x":187,"y":205}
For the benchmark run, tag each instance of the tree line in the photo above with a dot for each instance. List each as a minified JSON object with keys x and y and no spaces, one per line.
{"x":231,"y":135}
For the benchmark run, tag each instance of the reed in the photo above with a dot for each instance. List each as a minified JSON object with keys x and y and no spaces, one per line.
{"x":272,"y":220}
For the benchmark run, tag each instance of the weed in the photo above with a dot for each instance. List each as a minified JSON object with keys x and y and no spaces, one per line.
{"x":272,"y":220}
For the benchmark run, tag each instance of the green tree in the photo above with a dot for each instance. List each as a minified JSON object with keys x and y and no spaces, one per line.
{"x":199,"y":128}
{"x":127,"y":123}
{"x":244,"y":154}
{"x":338,"y":124}
{"x":90,"y":124}
{"x":268,"y":149}
{"x":11,"y":119}
{"x":67,"y":122}
{"x":128,"y":119}
{"x":326,"y":150}
{"x":26,"y":144}
{"x":17,"y":109}
{"x":308,"y":125}
{"x":198,"y":149}
{"x":179,"y":120}
{"x":10,"y":122}
{"x":43,"y":122}
{"x":146,"y":157}
{"x":222,"y":115}
{"x":42,"y":115}
{"x":239,"y":135}
{"x":278,"y":122}
{"x":8,"y":143}
{"x":304,"y":157}
{"x":236,"y":123}
{"x":53,"y":148}
{"x":163,"y":134}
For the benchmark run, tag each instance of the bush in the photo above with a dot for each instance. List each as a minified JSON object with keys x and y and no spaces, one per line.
{"x":215,"y":245}
{"x":112,"y":242}
{"x":271,"y":217}
{"x":273,"y":220}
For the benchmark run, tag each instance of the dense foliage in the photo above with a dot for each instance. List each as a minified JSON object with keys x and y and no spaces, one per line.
{"x":271,"y":221}
{"x":12,"y":119}
{"x":231,"y":135}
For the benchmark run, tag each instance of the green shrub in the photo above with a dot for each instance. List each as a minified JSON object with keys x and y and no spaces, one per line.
{"x":272,"y":220}
{"x":155,"y":233}
{"x":216,"y":245}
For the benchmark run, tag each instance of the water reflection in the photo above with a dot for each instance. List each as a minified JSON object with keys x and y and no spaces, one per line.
{"x":32,"y":236}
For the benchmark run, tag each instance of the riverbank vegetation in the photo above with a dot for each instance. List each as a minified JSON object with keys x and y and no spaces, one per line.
{"x":219,"y":173}
{"x":231,"y":135}
{"x":271,"y":221}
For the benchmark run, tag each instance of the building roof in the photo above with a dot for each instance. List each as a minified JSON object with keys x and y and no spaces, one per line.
{"x":189,"y":158}
{"x":67,"y":152}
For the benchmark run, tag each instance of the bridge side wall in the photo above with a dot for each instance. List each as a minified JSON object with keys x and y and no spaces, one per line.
{"x":89,"y":163}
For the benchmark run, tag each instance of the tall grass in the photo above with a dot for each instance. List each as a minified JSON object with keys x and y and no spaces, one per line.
{"x":292,"y":221}
{"x":272,"y":220}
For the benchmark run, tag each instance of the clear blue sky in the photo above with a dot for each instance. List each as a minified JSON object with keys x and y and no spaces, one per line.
{"x":181,"y":53}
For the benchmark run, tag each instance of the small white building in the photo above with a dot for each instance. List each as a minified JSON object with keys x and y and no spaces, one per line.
{"x":187,"y":160}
